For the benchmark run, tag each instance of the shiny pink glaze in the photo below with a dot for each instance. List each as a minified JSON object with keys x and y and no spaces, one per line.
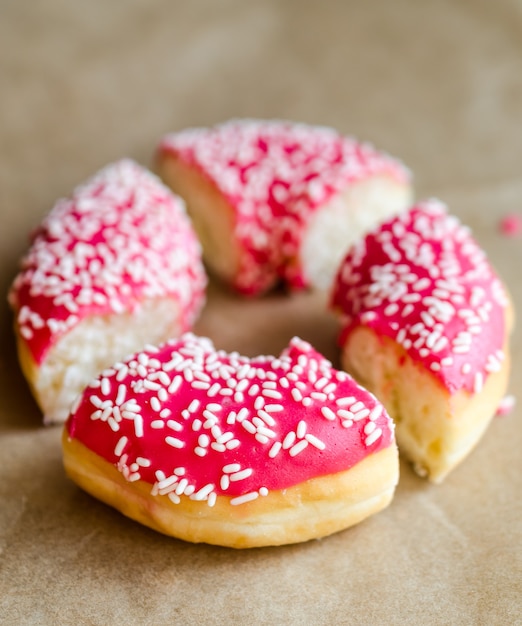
{"x":423,"y":281}
{"x":274,"y":176}
{"x":195,"y":421}
{"x":121,"y":238}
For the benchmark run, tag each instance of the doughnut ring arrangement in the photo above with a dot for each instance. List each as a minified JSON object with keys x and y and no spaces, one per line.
{"x":219,"y":448}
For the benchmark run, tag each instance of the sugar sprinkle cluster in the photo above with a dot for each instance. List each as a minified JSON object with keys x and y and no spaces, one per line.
{"x":121,"y":238}
{"x":422,"y":280}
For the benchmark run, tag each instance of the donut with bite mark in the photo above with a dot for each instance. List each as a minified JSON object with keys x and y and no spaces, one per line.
{"x":218,"y":448}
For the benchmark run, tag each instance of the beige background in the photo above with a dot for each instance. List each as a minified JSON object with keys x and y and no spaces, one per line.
{"x":438,"y":83}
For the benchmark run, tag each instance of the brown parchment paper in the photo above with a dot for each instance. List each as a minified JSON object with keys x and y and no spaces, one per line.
{"x":437,"y":83}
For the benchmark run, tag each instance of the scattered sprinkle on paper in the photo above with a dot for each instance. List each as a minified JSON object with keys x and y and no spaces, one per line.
{"x":506,"y":405}
{"x":511,"y":225}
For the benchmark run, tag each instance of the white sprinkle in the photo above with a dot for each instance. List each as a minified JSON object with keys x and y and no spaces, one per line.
{"x":345,"y":401}
{"x":157,"y":424}
{"x":241,"y":475}
{"x":263,"y":491}
{"x":213,"y":390}
{"x":247,"y":497}
{"x":270,"y":393}
{"x":138,"y":426}
{"x":296,"y":394}
{"x":211,"y":501}
{"x":122,"y":442}
{"x":231,"y":468}
{"x":273,"y":408}
{"x":182,"y":485}
{"x":289,"y":440}
{"x":298,"y":447}
{"x":391,"y":309}
{"x":120,"y":398}
{"x":105,"y":386}
{"x":275,"y":449}
{"x":254,"y":390}
{"x":301,"y":429}
{"x":478,"y":382}
{"x":259,"y":403}
{"x":372,"y":437}
{"x":243,"y":414}
{"x":200,"y":451}
{"x":461,"y":349}
{"x":249,"y":427}
{"x":344,"y":414}
{"x":174,"y":385}
{"x":331,"y":387}
{"x":266,"y":417}
{"x":210,"y":416}
{"x":173,"y":497}
{"x":203,"y":493}
{"x":360,"y":415}
{"x":369,"y":428}
{"x":315,"y":441}
{"x":200,"y":384}
{"x":155,"y":404}
{"x":321,"y":383}
{"x":174,"y":442}
{"x":95,"y":401}
{"x":203,"y":440}
{"x":328,"y":413}
{"x":167,"y":483}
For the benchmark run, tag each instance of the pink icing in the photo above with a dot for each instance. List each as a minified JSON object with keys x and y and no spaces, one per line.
{"x":191,"y":420}
{"x":122,"y":237}
{"x":275,"y":175}
{"x":423,"y":281}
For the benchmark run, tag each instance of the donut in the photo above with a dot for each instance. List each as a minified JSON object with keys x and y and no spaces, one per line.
{"x":425,"y":326}
{"x":241,"y":452}
{"x":113,"y":267}
{"x":276,"y":202}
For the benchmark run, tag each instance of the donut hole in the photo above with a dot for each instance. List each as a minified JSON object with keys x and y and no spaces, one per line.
{"x":93,"y":345}
{"x":344,"y":220}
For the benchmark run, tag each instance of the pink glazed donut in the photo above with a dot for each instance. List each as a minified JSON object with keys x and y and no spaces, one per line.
{"x":115,"y":266}
{"x":425,"y":327}
{"x":276,"y":201}
{"x":219,"y":448}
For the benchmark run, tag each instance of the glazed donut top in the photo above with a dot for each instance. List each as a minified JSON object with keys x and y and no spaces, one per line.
{"x":191,"y":420}
{"x":121,"y":237}
{"x":422,"y":280}
{"x":274,"y":174}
